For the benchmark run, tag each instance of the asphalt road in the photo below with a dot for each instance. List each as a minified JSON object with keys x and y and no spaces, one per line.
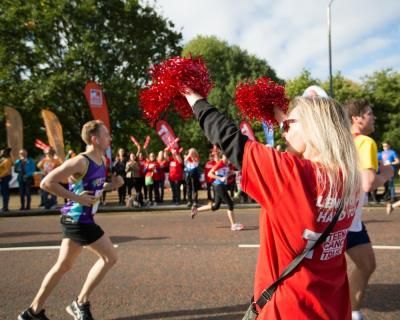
{"x":170,"y":267}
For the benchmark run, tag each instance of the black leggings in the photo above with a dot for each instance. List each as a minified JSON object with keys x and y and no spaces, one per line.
{"x":193,"y":185}
{"x":221,"y":194}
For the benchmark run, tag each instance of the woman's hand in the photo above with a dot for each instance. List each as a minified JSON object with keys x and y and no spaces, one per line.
{"x":191,"y":96}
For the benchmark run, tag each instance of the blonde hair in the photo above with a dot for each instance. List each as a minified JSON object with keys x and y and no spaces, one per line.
{"x":90,"y":128}
{"x":326,"y":128}
{"x":194,"y":152}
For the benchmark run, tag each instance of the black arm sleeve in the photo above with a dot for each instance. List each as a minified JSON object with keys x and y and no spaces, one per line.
{"x":221,"y":131}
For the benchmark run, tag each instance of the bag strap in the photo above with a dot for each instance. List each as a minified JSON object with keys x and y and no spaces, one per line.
{"x":266,"y":295}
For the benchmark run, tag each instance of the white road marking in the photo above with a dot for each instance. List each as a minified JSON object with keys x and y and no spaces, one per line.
{"x":375,"y":247}
{"x":37,"y":248}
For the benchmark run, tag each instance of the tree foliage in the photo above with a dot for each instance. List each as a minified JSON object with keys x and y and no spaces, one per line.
{"x":228,"y":65}
{"x":381,"y":89}
{"x":49,"y":49}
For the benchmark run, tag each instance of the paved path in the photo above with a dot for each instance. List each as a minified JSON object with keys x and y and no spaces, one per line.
{"x":170,"y":267}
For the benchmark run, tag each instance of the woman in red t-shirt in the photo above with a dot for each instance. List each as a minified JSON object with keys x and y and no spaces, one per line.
{"x":152,"y":176}
{"x":299,"y":192}
{"x":163,"y":164}
{"x":175,"y":175}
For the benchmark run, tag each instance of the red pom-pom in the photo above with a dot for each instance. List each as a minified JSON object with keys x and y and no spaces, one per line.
{"x":256,"y":99}
{"x":169,"y":79}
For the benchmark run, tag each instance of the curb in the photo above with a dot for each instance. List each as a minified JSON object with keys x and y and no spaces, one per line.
{"x":52,"y":212}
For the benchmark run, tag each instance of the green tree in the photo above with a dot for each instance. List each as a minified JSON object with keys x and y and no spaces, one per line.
{"x":343,"y":89}
{"x":228,"y":65}
{"x":382,"y":89}
{"x":49,"y":49}
{"x":296,"y":86}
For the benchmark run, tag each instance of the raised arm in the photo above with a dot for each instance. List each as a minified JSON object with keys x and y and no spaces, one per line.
{"x":218,"y":128}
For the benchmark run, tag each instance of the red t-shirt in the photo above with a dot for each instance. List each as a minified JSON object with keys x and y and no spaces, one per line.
{"x":207,"y":169}
{"x":153,"y":168}
{"x":142,"y":167}
{"x":293,"y":212}
{"x":232,"y":174}
{"x":175,"y":170}
{"x":163,"y":166}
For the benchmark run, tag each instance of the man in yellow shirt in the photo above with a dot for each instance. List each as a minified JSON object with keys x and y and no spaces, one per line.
{"x":359,"y":248}
{"x":5,"y":176}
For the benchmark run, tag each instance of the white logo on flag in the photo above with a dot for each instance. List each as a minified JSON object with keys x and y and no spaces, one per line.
{"x":96,"y":99}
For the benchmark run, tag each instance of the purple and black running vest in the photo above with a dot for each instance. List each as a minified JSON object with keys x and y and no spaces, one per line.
{"x":93,"y":182}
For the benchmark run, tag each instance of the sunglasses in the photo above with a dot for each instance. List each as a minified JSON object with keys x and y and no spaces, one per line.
{"x":285,"y":124}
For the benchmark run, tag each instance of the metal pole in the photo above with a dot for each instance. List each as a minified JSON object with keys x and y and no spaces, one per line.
{"x":330,"y":50}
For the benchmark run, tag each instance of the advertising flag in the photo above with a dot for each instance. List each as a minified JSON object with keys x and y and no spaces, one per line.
{"x":54,"y":133}
{"x":14,"y":128}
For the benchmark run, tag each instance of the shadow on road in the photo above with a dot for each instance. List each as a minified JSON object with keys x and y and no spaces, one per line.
{"x":222,"y":313}
{"x":122,"y":239}
{"x":24,"y":234}
{"x":383,"y":297}
{"x":115,"y":240}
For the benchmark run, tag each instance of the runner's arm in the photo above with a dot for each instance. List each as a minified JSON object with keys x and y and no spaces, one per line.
{"x":72,"y":167}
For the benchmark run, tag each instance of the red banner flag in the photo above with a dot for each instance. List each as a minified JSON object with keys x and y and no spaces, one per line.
{"x":97,"y":103}
{"x":247,"y":130}
{"x":167,"y":135}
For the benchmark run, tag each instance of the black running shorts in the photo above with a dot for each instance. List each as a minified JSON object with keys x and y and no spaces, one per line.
{"x":356,"y":238}
{"x":82,"y":233}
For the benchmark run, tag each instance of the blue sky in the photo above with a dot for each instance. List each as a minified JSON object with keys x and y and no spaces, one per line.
{"x":293,"y":34}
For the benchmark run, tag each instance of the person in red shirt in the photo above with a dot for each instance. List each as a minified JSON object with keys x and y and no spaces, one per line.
{"x":152,"y":175}
{"x":299,"y":192}
{"x":213,"y":158}
{"x":220,"y":173}
{"x":142,"y":161}
{"x":163,"y":164}
{"x":175,"y":175}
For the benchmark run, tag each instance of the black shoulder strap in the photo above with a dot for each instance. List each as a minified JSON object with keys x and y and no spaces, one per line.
{"x":266,"y":295}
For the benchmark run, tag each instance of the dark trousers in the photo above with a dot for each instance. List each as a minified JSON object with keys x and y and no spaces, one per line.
{"x":157,"y":187}
{"x":48,"y":200}
{"x":5,"y":190}
{"x":210,"y":191}
{"x":122,"y":193}
{"x":144,"y":187}
{"x":193,"y":183}
{"x":183,"y":183}
{"x":25,"y":192}
{"x":150,"y":189}
{"x":176,"y":191}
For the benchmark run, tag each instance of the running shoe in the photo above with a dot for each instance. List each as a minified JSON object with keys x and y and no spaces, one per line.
{"x":193,"y":212}
{"x":237,"y":227}
{"x":29,"y":315}
{"x":80,"y":311}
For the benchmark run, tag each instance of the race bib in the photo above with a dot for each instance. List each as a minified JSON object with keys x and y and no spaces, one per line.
{"x":97,"y":194}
